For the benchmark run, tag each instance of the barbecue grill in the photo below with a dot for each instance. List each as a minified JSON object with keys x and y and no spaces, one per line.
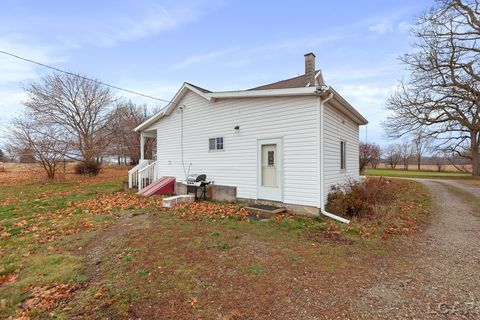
{"x":196,"y":181}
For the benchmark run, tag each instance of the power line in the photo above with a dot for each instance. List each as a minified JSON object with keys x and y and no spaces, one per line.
{"x":82,"y":77}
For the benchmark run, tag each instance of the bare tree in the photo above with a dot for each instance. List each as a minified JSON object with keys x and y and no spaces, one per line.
{"x":439,"y":160}
{"x":442,"y":95}
{"x":79,"y":106}
{"x":392,"y":155}
{"x":369,"y":154}
{"x":405,"y":151}
{"x":25,"y":154}
{"x":421,"y":143}
{"x":124,"y":118}
{"x":48,"y":143}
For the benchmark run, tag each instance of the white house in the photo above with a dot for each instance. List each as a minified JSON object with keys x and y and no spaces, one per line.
{"x":287,"y":141}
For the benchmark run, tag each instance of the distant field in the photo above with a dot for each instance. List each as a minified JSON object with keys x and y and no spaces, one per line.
{"x":415,"y":174}
{"x":426,"y":167}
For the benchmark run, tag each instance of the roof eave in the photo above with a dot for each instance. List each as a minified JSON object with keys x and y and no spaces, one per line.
{"x":353,"y":113}
{"x":262,"y":93}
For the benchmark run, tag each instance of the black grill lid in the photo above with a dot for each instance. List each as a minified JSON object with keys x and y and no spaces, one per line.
{"x":197,"y":177}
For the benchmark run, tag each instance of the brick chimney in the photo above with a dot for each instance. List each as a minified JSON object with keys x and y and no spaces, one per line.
{"x":310,"y":69}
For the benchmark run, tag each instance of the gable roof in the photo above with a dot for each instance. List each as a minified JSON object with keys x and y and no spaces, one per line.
{"x":296,"y":86}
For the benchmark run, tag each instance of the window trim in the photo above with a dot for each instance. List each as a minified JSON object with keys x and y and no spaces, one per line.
{"x":216,"y":143}
{"x":343,"y":155}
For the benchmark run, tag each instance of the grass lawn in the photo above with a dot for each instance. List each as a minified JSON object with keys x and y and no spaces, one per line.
{"x":417,"y":174}
{"x":89,"y":250}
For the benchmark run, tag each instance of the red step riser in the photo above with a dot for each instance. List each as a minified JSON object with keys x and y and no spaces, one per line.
{"x":153,"y":185}
{"x":164,"y":185}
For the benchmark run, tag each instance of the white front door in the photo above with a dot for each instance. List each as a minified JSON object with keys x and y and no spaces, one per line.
{"x":269,"y":171}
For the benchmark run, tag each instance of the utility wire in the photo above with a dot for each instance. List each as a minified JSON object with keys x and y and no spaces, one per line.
{"x":82,"y":77}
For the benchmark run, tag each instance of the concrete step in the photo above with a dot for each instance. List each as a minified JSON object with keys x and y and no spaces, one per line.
{"x":171,"y":201}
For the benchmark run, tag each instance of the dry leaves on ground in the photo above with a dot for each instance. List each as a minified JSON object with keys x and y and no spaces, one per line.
{"x":110,"y":203}
{"x":45,"y":298}
{"x":8,"y":279}
{"x":205,"y":209}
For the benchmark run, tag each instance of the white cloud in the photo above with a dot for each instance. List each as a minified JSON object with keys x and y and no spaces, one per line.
{"x":155,"y":19}
{"x":404,"y":27}
{"x":382,"y":27}
{"x":199,"y":58}
{"x":124,"y":24}
{"x":372,"y":95}
{"x":242,"y":56}
{"x":15,"y":70}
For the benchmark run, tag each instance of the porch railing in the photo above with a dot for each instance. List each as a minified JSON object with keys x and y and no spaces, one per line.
{"x":147,"y":176}
{"x":133,"y":179}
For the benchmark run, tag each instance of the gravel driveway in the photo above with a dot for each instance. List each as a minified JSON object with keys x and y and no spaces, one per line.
{"x":437,"y":275}
{"x":472,"y":189}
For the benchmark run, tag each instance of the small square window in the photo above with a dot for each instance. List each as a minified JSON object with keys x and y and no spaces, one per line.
{"x":215,"y":144}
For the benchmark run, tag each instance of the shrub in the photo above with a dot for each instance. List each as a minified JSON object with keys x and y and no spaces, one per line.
{"x":359,"y":198}
{"x":89,"y":168}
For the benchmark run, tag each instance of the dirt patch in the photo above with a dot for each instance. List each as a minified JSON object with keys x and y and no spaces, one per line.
{"x":98,"y":248}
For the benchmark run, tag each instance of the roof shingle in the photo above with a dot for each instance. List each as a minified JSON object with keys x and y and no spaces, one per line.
{"x":295,"y":82}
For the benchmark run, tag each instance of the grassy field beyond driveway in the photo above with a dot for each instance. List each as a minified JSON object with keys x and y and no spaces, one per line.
{"x":417,"y":174}
{"x":86,"y":249}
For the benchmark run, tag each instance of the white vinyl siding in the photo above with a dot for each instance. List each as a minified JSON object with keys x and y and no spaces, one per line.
{"x":339,"y":127}
{"x":294,"y":119}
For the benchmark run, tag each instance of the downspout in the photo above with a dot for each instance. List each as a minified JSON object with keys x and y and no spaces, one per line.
{"x":322,"y":148}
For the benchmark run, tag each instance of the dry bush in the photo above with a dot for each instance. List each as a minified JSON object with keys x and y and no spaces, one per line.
{"x":358,"y":199}
{"x":88,"y":168}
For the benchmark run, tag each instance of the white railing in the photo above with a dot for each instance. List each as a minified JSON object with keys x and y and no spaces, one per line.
{"x":133,"y":173}
{"x":147,"y":176}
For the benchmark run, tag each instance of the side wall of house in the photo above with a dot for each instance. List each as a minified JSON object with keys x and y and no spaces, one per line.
{"x":339,"y":127}
{"x":294,"y":119}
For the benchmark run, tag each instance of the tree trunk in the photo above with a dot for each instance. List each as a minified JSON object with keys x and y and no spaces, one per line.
{"x":419,"y":160}
{"x":475,"y":154}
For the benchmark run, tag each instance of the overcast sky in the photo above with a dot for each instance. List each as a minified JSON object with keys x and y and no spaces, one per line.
{"x":154,"y":46}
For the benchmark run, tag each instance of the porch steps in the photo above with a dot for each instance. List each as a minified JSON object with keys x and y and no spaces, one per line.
{"x":164,"y":185}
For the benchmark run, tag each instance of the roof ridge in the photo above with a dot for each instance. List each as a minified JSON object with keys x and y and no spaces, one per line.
{"x":294,"y":82}
{"x":199,"y":88}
